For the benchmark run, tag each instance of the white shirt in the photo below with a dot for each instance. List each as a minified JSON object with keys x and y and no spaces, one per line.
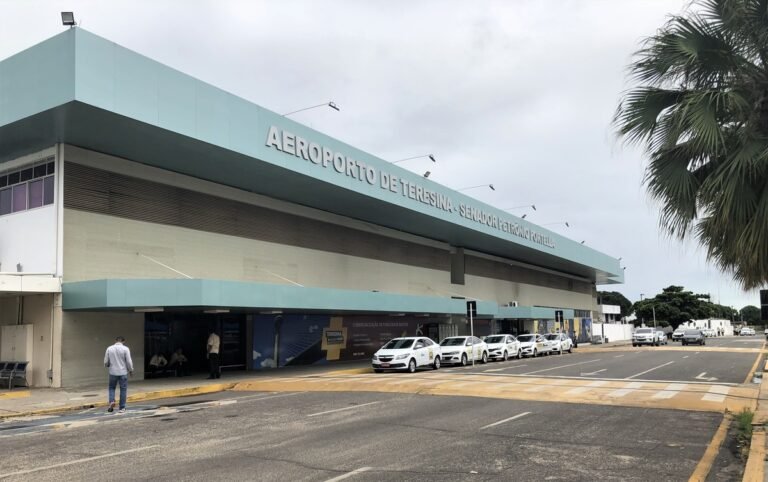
{"x":118,"y":359}
{"x":213,"y":343}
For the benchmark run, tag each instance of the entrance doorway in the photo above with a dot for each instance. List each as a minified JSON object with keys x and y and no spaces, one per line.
{"x":166,"y":332}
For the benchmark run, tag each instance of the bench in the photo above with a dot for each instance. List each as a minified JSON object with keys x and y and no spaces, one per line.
{"x":13,"y":371}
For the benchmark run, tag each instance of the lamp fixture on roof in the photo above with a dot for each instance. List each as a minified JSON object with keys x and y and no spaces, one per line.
{"x":524,"y":206}
{"x":430,"y":156}
{"x":68,"y":19}
{"x":473,"y":187}
{"x":426,"y":174}
{"x":330,"y":104}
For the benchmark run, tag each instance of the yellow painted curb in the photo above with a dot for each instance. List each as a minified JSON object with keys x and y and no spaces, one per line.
{"x":136,"y":397}
{"x":755,"y":470}
{"x":705,"y":464}
{"x":350,"y":371}
{"x":19,"y":394}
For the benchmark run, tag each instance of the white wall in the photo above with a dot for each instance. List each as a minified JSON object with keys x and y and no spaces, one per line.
{"x":613,"y":331}
{"x":85,"y":338}
{"x":29,"y":237}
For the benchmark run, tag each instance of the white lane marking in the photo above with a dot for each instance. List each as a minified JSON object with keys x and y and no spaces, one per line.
{"x":652,"y":369}
{"x":342,"y":409}
{"x":697,"y":353}
{"x":670,"y":391}
{"x":593,"y":373}
{"x":702,"y":377}
{"x":349,"y":474}
{"x":716,"y":394}
{"x":561,"y":366}
{"x":628,"y":388}
{"x":519,"y":415}
{"x":585,"y":388}
{"x":618,"y":356}
{"x":78,"y":461}
{"x":494,"y":370}
{"x":686,"y":356}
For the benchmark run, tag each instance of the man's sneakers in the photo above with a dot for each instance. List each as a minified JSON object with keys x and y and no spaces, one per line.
{"x":122,"y":410}
{"x":111,"y":407}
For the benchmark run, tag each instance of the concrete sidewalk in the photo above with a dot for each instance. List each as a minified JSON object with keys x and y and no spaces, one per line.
{"x":41,"y":401}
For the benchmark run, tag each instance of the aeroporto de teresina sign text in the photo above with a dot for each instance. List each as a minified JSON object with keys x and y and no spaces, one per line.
{"x":313,"y":152}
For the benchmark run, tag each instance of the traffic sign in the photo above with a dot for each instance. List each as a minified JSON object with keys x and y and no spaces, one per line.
{"x":472,"y":309}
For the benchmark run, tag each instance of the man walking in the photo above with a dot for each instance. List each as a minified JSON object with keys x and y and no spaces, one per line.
{"x":213,"y":354}
{"x":118,"y":360}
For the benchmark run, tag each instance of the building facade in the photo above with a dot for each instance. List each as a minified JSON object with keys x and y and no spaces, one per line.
{"x":138,"y":201}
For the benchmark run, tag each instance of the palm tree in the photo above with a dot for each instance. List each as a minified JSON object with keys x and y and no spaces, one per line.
{"x":700,"y":110}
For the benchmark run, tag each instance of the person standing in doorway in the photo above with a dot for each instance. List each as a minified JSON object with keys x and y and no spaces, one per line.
{"x":118,"y":359}
{"x":213,"y":354}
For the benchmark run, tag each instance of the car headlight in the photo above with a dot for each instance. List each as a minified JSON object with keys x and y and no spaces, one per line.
{"x":404,"y":355}
{"x":375,"y":357}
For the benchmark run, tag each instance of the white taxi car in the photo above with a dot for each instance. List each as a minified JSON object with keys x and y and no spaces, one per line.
{"x":463,"y":349}
{"x":533,"y":345}
{"x":560,"y":342}
{"x":408,"y":353}
{"x":501,"y":347}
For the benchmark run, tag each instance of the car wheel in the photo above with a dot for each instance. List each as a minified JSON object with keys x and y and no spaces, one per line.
{"x":464,"y":360}
{"x":505,"y":356}
{"x":436,"y":364}
{"x":634,"y":344}
{"x":534,"y":353}
{"x":412,"y":366}
{"x":378,"y":370}
{"x":570,"y":349}
{"x":684,"y":343}
{"x":519,"y":354}
{"x":485,"y":357}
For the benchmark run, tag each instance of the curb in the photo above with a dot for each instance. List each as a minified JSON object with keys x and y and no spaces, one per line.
{"x":137,"y":397}
{"x":755,"y":469}
{"x":19,"y":394}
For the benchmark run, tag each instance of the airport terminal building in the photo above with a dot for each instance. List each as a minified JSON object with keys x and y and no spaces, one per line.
{"x":138,"y":201}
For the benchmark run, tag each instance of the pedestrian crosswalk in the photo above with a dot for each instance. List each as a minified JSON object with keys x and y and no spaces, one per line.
{"x":622,"y":392}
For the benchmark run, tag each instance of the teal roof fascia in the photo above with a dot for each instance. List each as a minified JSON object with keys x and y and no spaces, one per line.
{"x":122,"y":294}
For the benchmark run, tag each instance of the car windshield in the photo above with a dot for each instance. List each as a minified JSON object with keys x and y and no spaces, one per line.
{"x":398,"y":343}
{"x":526,"y":338}
{"x":679,"y":331}
{"x":494,"y":339}
{"x":452,"y":342}
{"x":552,"y":336}
{"x":644,"y":330}
{"x":691,"y":332}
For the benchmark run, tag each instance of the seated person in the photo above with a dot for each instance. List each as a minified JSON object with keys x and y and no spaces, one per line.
{"x":157,"y":364}
{"x":179,"y":363}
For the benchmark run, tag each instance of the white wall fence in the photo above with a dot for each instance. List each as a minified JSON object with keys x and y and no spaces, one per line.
{"x":613,"y":331}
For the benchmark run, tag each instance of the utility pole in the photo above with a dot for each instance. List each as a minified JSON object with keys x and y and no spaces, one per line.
{"x":654,"y":316}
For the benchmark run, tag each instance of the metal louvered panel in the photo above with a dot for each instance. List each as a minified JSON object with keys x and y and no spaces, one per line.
{"x":103,"y":192}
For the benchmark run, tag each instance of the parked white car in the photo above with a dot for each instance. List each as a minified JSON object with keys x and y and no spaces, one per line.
{"x":560,"y":342}
{"x":746,"y":331}
{"x":533,"y":345}
{"x":463,"y":349}
{"x":502,"y":347}
{"x":645,"y":336}
{"x":662,"y":337}
{"x":407,"y":353}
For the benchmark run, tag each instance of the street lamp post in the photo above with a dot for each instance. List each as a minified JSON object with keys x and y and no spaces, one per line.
{"x":490,"y":186}
{"x":330,"y":104}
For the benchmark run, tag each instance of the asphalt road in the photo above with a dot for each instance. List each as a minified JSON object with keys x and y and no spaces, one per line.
{"x":665,"y":363}
{"x":324,"y":436}
{"x":398,"y":436}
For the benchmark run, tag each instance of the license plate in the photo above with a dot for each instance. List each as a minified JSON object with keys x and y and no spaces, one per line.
{"x":385,"y":365}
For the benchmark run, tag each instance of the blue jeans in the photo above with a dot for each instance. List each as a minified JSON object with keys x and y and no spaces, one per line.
{"x":123,"y":379}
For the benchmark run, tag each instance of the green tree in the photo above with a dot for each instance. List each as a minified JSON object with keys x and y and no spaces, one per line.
{"x":700,"y":109}
{"x":751,"y":315}
{"x":674,"y":305}
{"x":615,"y":298}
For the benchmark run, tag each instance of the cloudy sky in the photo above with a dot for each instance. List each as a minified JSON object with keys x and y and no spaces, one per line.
{"x":518,"y":93}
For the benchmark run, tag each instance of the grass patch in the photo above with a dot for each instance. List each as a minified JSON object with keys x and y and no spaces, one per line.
{"x":743,"y":421}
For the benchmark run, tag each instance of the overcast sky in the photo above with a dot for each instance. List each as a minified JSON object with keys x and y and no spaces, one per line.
{"x":516,"y":93}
